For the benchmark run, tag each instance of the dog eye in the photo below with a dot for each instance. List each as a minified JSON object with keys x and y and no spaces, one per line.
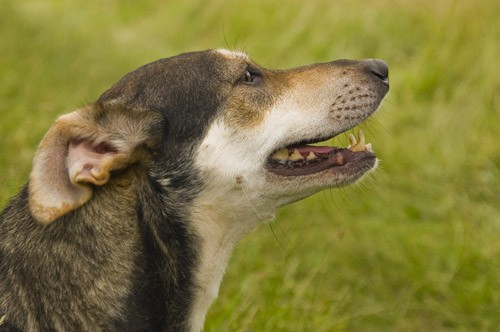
{"x":251,"y":77}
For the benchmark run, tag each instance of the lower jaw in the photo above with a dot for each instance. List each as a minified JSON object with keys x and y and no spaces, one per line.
{"x":336,"y":176}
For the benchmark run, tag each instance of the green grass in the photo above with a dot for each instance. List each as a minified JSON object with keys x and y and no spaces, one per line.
{"x":415,"y":247}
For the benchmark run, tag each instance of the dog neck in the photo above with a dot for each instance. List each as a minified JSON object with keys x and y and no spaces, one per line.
{"x":219,"y":233}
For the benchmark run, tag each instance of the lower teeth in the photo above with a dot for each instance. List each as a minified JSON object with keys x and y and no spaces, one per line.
{"x":284,"y":157}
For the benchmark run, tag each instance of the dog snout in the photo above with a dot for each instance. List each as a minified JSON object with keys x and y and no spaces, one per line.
{"x":378,"y":68}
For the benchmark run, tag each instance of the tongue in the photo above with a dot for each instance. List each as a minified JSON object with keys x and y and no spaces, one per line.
{"x":305,"y":149}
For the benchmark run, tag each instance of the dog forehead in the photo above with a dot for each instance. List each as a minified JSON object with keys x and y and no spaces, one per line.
{"x":235,"y":55}
{"x":183,"y":72}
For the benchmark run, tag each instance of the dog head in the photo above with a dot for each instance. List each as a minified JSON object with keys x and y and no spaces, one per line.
{"x":218,"y":124}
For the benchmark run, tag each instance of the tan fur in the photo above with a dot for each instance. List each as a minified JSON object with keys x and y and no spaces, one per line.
{"x":53,"y":195}
{"x":136,"y":201}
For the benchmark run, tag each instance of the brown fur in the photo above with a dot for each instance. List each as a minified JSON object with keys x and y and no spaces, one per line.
{"x":135,"y":201}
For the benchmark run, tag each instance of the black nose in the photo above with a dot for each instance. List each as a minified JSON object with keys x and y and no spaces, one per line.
{"x":378,"y":68}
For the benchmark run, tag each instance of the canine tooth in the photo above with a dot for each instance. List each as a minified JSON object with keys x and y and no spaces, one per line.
{"x":295,"y":155}
{"x":352,"y":141}
{"x":280,"y":154}
{"x":361,"y":138}
{"x":359,"y":145}
{"x":311,"y":156}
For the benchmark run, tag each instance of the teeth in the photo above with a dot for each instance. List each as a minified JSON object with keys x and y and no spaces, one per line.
{"x":352,"y":140}
{"x":295,"y":155}
{"x":311,"y":156}
{"x":355,"y":145}
{"x":281,"y":154}
{"x":359,"y":144}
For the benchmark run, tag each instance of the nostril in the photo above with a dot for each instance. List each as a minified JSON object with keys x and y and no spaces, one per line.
{"x":379,"y":69}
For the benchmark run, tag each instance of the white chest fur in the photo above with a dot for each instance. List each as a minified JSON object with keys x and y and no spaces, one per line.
{"x":219,"y":235}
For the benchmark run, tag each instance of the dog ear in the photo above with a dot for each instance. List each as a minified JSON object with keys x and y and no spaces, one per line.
{"x":75,"y":155}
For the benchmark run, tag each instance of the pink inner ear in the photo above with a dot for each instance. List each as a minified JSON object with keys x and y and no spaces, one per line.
{"x":88,"y":163}
{"x":65,"y":164}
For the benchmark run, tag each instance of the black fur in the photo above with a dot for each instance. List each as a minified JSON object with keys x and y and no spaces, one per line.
{"x":54,"y":280}
{"x":128,"y":258}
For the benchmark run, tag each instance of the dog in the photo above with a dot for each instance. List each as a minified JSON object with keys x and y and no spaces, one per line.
{"x":135,"y":202}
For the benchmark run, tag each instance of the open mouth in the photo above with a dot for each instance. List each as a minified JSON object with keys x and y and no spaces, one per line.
{"x":305,"y":159}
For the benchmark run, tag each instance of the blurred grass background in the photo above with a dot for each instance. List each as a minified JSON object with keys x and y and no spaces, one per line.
{"x":415,"y":247}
